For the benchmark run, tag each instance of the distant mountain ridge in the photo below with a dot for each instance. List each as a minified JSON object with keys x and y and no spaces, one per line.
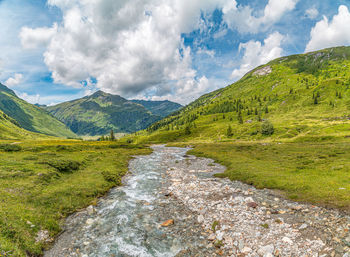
{"x":101,"y":112}
{"x":160,"y":108}
{"x":29,"y":116}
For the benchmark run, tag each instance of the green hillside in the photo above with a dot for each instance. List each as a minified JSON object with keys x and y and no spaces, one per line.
{"x":31,"y":117}
{"x":160,"y":108}
{"x":9,"y":129}
{"x":302,"y":96}
{"x":101,"y":112}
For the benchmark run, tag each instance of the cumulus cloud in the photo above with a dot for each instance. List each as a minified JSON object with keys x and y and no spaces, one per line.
{"x":311,"y":13}
{"x":34,"y":99}
{"x":256,"y":54}
{"x":34,"y":38}
{"x":242,"y":18}
{"x":128,"y":47}
{"x":331,"y":33}
{"x":15,"y":80}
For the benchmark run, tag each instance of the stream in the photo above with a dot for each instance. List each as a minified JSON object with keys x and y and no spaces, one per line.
{"x":127,"y":221}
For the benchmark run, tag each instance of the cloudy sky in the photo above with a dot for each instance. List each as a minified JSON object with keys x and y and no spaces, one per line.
{"x":57,"y":50}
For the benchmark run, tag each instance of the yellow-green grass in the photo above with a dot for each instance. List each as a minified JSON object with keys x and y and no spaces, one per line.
{"x":317,"y":173}
{"x":41,"y":182}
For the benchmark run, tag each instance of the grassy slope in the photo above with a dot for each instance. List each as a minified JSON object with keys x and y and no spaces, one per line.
{"x":31,"y":117}
{"x":287,"y":92}
{"x":306,"y":157}
{"x":9,"y":129}
{"x":99,"y":113}
{"x":33,"y":191}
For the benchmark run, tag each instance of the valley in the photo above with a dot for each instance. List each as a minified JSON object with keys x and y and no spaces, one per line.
{"x":281,"y":132}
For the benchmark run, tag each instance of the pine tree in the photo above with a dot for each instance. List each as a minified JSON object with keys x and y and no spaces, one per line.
{"x":240,"y":119}
{"x":112,"y":137}
{"x":256,"y":111}
{"x":315,"y":100}
{"x":229,"y":132}
{"x":187,"y":130}
{"x":266,"y":109}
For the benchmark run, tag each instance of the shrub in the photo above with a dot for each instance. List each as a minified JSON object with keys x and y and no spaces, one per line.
{"x":111,"y":177}
{"x":10,"y":148}
{"x":267,"y":128}
{"x":64,"y":165}
{"x":187,"y":130}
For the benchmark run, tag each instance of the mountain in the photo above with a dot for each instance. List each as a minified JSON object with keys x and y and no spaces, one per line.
{"x":101,"y":112}
{"x":160,"y":108}
{"x":303,"y":97}
{"x":29,"y":116}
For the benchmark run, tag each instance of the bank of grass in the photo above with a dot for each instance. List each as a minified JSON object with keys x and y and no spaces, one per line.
{"x":42,"y":182}
{"x":317,"y":173}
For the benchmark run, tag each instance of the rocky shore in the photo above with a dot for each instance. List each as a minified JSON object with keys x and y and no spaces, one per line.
{"x":240,"y":220}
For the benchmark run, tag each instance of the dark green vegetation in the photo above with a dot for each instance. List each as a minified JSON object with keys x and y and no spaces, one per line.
{"x":27,"y":116}
{"x":100,"y":113}
{"x":314,"y":172}
{"x":41,"y":183}
{"x":159,"y":108}
{"x":302,"y":96}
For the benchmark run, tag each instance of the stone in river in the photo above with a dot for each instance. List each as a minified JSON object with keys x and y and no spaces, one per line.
{"x":167,"y":223}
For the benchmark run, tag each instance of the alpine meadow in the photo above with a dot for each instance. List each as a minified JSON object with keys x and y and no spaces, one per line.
{"x":174,"y":128}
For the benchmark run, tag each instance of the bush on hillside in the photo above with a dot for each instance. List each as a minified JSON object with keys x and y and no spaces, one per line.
{"x":64,"y":166}
{"x":10,"y":148}
{"x":267,"y":128}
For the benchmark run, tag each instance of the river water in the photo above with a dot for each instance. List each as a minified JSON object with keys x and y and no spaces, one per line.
{"x":127,"y":221}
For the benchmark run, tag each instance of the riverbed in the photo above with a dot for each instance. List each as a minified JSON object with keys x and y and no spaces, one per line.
{"x":171,"y":205}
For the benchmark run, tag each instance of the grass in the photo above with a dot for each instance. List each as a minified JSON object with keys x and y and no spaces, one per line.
{"x":317,"y":173}
{"x":41,"y":182}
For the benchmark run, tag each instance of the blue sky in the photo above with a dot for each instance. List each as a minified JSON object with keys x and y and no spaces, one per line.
{"x":58,"y":50}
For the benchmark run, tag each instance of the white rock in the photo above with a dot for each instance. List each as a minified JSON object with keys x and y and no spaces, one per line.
{"x":303,"y":226}
{"x":287,"y":240}
{"x":249,"y":200}
{"x":246,"y":250}
{"x":268,"y":255}
{"x":346,"y":255}
{"x":220,"y":235}
{"x":200,"y":218}
{"x":90,"y":210}
{"x":89,"y":221}
{"x":266,"y":249}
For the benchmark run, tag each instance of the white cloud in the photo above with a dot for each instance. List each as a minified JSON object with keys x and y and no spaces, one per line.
{"x":210,"y":53}
{"x":34,"y":99}
{"x":33,"y":38}
{"x":312,"y":13}
{"x":331,"y":33}
{"x":256,"y":54}
{"x":128,"y":46}
{"x":242,"y":18}
{"x":15,"y":80}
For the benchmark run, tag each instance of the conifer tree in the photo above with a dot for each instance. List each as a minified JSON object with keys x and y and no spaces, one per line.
{"x":240,"y":119}
{"x":229,"y":131}
{"x":112,"y":137}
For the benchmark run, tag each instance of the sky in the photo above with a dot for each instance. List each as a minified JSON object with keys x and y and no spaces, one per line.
{"x":58,"y":50}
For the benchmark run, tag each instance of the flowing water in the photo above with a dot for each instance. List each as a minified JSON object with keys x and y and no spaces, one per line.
{"x":127,"y":221}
